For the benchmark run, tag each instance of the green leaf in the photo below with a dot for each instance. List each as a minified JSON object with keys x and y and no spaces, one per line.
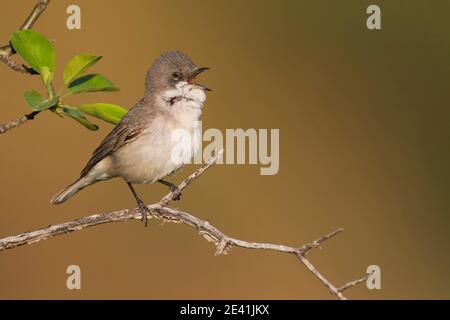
{"x":47,"y":104}
{"x":33,"y":98}
{"x":37,"y":102}
{"x":79,"y":117}
{"x":35,"y":49}
{"x":91,"y":83}
{"x":78,"y":65}
{"x":107,"y":112}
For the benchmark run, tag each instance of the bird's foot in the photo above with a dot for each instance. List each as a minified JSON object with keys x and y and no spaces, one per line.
{"x":145,"y":212}
{"x":176,"y":192}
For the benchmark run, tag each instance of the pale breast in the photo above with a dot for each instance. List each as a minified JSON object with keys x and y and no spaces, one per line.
{"x":164,"y":147}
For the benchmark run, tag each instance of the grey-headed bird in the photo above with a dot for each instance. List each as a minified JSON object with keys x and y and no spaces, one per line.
{"x":139,"y":149}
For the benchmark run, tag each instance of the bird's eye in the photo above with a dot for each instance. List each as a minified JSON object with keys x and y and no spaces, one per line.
{"x":176,"y":76}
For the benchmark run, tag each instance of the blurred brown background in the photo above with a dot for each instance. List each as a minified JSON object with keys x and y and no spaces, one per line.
{"x":364,"y":126}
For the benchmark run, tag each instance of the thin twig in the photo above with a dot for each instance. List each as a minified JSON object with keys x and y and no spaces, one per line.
{"x":8,"y":126}
{"x":324,"y":280}
{"x":38,"y":9}
{"x":317,"y":242}
{"x":183,"y":185}
{"x":222,"y":242}
{"x":350,"y":284}
{"x":17,"y":66}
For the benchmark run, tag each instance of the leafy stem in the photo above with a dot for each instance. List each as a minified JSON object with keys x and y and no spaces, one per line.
{"x":39,"y":54}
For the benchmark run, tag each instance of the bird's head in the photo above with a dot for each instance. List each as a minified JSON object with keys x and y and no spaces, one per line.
{"x":174,"y":72}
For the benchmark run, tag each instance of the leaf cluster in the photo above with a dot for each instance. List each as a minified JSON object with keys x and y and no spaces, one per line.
{"x":38,"y":52}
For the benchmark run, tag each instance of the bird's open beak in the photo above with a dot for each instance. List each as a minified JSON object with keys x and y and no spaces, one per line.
{"x":199,"y":70}
{"x":195,"y":73}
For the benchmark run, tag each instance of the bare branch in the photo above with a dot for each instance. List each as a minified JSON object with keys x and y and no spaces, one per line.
{"x":38,"y":9}
{"x":17,"y":66}
{"x":171,"y":195}
{"x":123,"y":215}
{"x":8,"y":126}
{"x":222,"y":242}
{"x":316,"y":243}
{"x":350,"y":284}
{"x":324,"y":280}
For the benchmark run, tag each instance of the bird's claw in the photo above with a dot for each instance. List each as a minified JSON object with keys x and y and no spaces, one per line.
{"x":145,"y":211}
{"x":176,"y":192}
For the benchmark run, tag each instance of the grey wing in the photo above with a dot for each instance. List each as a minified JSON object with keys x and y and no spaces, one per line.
{"x":125,"y":131}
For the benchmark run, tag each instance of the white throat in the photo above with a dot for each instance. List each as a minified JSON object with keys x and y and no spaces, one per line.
{"x":184,"y":105}
{"x":185,"y":96}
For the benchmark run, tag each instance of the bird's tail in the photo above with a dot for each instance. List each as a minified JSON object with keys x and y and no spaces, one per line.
{"x":70,"y":190}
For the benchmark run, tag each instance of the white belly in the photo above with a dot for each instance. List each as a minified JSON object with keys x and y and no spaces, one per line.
{"x":167,"y":145}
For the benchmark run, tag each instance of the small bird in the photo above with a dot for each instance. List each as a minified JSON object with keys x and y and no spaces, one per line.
{"x":139,"y":148}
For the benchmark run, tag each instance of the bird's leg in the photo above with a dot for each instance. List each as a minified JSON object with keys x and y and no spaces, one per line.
{"x":141,"y":205}
{"x":173,"y":188}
